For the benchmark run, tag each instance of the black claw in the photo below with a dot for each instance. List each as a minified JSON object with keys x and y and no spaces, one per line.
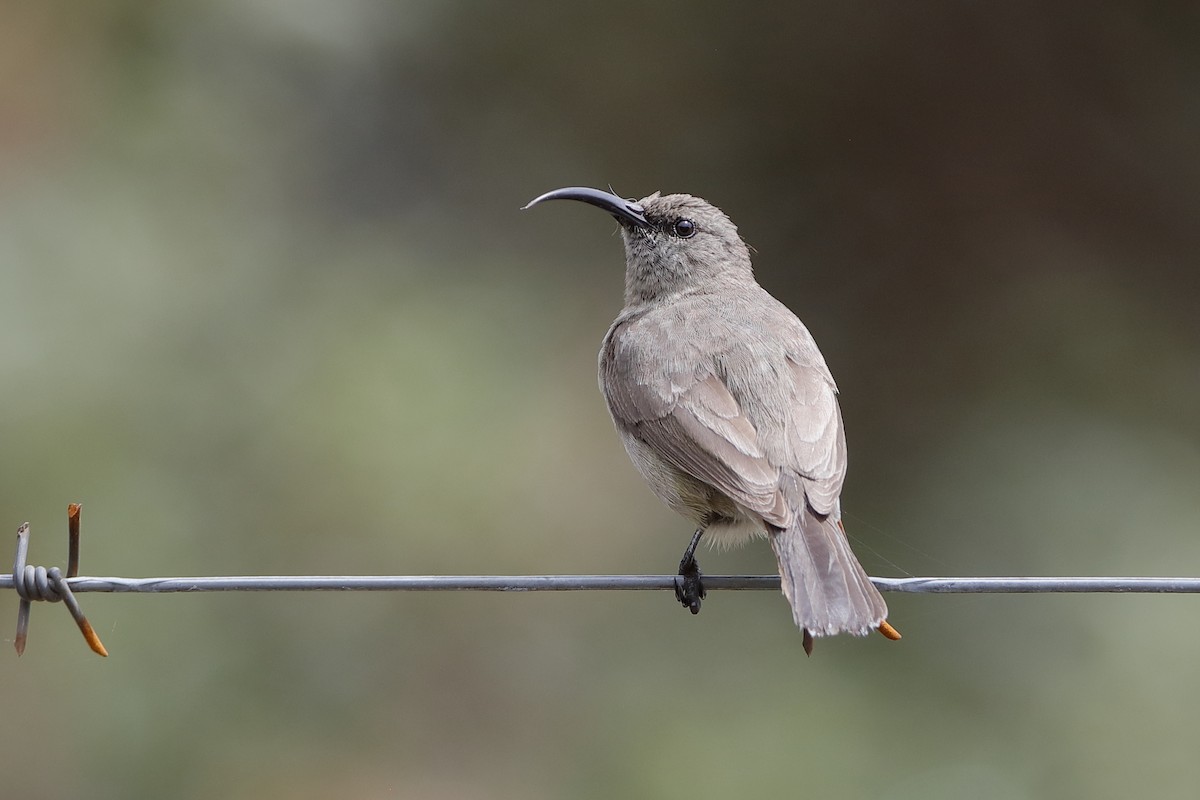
{"x":689,"y":588}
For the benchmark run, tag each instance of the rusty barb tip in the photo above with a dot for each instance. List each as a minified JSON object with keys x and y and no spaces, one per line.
{"x":889,"y":632}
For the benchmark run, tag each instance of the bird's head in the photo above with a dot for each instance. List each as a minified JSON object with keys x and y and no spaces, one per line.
{"x":673,"y":243}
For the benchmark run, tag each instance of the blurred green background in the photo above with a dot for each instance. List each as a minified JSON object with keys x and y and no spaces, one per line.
{"x":267,"y":305}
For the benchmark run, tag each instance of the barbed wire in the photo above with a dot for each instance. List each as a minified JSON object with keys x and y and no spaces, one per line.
{"x":569,"y":583}
{"x":38,"y":583}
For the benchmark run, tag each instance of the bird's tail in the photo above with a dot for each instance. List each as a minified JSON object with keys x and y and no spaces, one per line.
{"x":828,"y":589}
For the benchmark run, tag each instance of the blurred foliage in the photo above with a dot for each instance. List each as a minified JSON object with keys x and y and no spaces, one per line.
{"x":267,"y":306}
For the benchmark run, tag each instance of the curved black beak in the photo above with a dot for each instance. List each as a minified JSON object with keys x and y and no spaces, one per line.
{"x":627,"y":212}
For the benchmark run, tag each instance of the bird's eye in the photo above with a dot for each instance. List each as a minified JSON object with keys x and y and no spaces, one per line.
{"x":685,"y":229}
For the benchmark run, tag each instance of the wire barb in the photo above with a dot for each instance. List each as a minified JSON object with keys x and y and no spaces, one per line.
{"x":49,"y":585}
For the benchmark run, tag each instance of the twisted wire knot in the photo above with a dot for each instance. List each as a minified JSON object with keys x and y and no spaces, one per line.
{"x":39,"y":583}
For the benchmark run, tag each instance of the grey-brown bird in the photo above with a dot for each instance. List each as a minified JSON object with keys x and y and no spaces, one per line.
{"x":727,"y":409}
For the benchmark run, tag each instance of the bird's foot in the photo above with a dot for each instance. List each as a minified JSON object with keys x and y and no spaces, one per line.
{"x":689,"y":587}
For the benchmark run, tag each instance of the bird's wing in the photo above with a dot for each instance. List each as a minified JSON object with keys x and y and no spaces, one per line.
{"x":705,"y":434}
{"x":694,"y":421}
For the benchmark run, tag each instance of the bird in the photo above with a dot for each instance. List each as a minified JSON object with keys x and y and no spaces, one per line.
{"x":728,"y":410}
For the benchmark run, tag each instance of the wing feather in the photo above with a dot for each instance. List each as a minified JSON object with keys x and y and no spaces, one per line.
{"x":815,"y":436}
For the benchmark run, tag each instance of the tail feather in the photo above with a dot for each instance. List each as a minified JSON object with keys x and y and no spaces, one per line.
{"x":828,"y":589}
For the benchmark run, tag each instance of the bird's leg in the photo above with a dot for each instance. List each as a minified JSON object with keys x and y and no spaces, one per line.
{"x":689,"y":589}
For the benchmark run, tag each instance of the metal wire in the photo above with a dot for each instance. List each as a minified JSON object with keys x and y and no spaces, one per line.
{"x":38,"y":583}
{"x":568,"y":583}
